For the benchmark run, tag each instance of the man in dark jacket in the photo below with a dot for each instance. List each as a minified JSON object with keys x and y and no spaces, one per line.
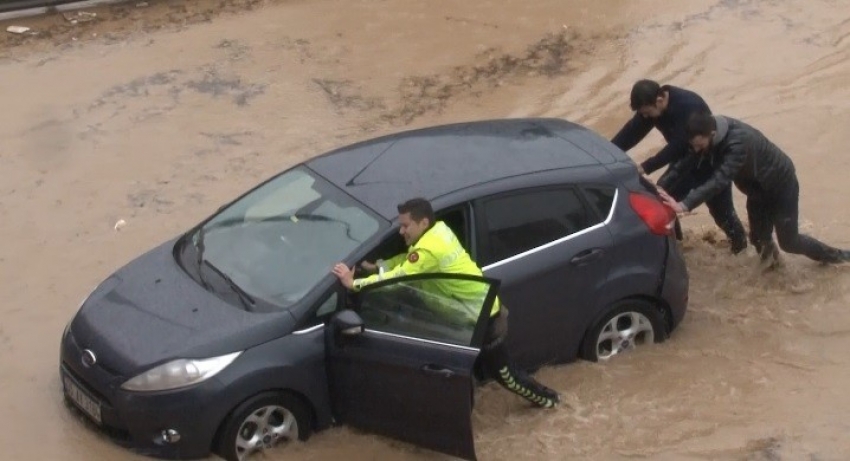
{"x":667,"y":109}
{"x":739,"y":153}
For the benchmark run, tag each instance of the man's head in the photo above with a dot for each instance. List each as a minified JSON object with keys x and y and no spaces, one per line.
{"x":648,"y":98}
{"x":415,"y":216}
{"x":700,"y":130}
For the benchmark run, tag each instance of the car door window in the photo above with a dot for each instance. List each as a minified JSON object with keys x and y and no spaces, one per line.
{"x":520,"y":222}
{"x":446,"y":308}
{"x":601,"y":198}
{"x":456,"y":217}
{"x":327,"y":307}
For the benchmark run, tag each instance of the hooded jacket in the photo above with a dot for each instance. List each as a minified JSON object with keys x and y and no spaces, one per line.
{"x":741,"y":154}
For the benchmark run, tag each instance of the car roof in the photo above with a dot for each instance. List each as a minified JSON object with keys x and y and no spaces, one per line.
{"x":435,"y":161}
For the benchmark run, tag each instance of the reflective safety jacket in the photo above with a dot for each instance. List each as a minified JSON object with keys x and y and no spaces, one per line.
{"x":437,"y":250}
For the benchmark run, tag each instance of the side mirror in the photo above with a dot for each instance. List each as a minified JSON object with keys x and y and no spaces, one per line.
{"x":347,"y":323}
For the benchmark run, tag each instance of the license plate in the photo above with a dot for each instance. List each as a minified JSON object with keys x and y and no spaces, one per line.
{"x":90,"y":406}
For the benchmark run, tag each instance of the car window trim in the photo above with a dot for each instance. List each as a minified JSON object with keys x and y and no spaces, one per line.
{"x":583,"y":187}
{"x":309,"y":329}
{"x":560,"y":240}
{"x":423,"y":340}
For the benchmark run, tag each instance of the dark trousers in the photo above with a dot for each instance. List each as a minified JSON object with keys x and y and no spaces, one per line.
{"x":779,"y":210}
{"x":496,"y":364}
{"x":721,"y":207}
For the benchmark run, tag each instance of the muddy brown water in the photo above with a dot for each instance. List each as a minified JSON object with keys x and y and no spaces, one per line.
{"x":157,"y":115}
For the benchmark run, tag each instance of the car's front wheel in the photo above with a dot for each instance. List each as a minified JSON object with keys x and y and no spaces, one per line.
{"x":627,"y":325}
{"x":262,"y":422}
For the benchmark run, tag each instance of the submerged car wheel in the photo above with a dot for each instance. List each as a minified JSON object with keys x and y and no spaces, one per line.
{"x":627,"y":325}
{"x":262,"y":422}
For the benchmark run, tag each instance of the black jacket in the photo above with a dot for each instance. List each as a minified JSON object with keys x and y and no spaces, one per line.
{"x":680,"y":105}
{"x":741,"y":154}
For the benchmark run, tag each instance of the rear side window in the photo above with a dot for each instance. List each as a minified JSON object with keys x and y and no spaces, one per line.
{"x":521,"y":222}
{"x":601,"y":198}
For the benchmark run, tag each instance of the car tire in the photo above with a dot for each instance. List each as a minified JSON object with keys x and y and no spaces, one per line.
{"x":260,"y":423}
{"x":613,"y":333}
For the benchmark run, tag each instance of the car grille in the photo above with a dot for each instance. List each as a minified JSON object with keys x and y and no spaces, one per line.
{"x":118,"y":434}
{"x":86,"y":387}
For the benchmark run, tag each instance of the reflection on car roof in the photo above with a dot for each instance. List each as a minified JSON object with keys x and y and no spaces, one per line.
{"x":435,"y":161}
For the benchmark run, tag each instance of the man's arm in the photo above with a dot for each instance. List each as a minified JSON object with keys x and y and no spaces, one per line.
{"x":632,"y":132}
{"x":373,"y":267}
{"x":674,"y":150}
{"x":393,"y":262}
{"x":678,"y":170}
{"x":416,"y":262}
{"x":722,"y":178}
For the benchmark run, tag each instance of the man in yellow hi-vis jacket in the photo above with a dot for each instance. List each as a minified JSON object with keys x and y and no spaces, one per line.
{"x":433,"y":247}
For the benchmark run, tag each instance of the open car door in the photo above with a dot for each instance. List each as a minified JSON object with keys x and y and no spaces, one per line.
{"x":401,"y":361}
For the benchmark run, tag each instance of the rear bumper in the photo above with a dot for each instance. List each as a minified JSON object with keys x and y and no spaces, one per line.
{"x":676,"y":284}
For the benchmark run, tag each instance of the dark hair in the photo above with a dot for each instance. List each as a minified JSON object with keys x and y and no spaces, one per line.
{"x":700,"y":124}
{"x":644,"y":93}
{"x":419,"y":208}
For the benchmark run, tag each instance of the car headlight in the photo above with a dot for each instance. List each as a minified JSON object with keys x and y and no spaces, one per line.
{"x":179,"y":373}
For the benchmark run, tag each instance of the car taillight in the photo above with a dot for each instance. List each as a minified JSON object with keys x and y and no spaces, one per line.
{"x":658,"y":217}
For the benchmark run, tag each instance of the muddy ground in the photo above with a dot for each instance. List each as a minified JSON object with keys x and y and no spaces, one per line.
{"x":158,"y":114}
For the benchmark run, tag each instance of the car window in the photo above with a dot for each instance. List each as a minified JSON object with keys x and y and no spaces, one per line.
{"x":278,"y":241}
{"x":455,"y":218}
{"x":321,"y":313}
{"x":293,"y":191}
{"x":523,"y":221}
{"x":437,"y":309}
{"x":327,"y":307}
{"x":601,"y":198}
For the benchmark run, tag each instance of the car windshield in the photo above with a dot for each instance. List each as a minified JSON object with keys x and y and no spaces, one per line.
{"x":278,"y":241}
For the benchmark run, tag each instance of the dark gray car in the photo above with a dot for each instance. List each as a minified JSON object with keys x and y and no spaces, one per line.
{"x":235,"y":336}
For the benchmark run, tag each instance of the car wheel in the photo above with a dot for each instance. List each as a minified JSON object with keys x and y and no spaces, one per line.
{"x":627,"y":325}
{"x":262,"y":422}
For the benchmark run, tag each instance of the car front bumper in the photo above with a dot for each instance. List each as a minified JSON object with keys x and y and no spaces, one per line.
{"x":179,"y":424}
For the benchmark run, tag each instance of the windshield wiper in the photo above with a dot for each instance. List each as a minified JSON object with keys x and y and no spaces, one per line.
{"x":199,"y":248}
{"x":246,"y":299}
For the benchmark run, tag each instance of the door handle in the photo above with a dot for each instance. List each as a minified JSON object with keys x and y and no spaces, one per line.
{"x":432,"y":369}
{"x":587,"y":256}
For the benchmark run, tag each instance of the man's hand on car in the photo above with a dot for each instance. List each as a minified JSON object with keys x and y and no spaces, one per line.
{"x":369,"y":267}
{"x":345,"y":275}
{"x":674,"y":205}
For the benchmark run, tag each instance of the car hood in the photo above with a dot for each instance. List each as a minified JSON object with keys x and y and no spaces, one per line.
{"x":150,"y":311}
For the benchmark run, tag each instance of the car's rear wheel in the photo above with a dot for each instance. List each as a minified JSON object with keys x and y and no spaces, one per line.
{"x":261,"y":423}
{"x":628,"y":324}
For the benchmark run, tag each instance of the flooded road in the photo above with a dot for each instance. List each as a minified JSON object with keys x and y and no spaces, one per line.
{"x":157,"y":115}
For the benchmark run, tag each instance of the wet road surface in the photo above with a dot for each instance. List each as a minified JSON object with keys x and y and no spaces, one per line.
{"x":159,"y":114}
